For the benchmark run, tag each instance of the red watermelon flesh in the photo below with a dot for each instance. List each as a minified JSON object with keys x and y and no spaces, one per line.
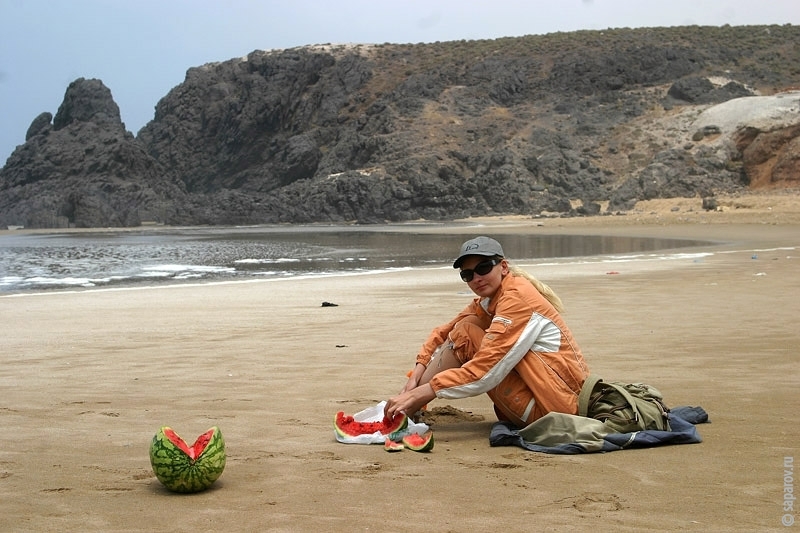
{"x":347,"y":426}
{"x":419,"y":443}
{"x":195,"y":449}
{"x":391,"y":446}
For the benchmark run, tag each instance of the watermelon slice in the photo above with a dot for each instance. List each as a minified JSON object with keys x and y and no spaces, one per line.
{"x":419,"y":443}
{"x":392,"y":446}
{"x":347,"y":426}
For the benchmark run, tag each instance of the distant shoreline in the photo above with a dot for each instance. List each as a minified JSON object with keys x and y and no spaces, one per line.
{"x":771,"y":207}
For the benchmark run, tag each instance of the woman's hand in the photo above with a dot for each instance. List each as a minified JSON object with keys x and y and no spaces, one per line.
{"x":409,"y":402}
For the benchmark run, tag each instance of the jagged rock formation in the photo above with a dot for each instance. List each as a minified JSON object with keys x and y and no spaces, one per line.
{"x":84,"y":169}
{"x":553,"y":124}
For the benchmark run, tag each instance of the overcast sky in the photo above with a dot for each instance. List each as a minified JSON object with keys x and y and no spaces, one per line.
{"x":141,"y":49}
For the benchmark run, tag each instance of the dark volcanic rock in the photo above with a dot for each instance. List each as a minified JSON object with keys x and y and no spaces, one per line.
{"x":85,"y":170}
{"x":374,"y":133}
{"x":39,"y":124}
{"x":252,"y":124}
{"x":697,"y":90}
{"x":678,"y":174}
{"x":88,"y":101}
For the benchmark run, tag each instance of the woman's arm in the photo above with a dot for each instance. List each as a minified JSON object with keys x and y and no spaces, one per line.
{"x":439,"y":335}
{"x":413,"y":378}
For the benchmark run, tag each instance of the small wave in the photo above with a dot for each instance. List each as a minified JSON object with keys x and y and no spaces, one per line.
{"x":67,"y":281}
{"x":630,"y":258}
{"x":187,"y":268}
{"x":267,"y":261}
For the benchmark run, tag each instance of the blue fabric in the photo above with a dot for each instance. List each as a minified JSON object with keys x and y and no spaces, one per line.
{"x":682,"y":422}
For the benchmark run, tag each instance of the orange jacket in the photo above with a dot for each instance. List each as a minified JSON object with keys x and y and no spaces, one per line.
{"x":524,"y":333}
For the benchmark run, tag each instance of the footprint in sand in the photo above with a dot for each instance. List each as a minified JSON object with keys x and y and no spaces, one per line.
{"x":114,"y":489}
{"x":590,"y":502}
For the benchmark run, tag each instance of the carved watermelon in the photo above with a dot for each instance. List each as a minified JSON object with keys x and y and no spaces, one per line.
{"x":183,"y":468}
{"x":419,"y":443}
{"x":347,"y":426}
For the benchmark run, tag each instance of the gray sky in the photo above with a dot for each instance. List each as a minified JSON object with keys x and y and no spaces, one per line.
{"x":141,"y":49}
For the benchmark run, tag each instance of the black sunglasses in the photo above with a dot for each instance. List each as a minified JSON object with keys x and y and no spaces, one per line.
{"x":481,"y":269}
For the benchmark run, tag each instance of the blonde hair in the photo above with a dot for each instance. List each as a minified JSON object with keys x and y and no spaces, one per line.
{"x":543,"y":288}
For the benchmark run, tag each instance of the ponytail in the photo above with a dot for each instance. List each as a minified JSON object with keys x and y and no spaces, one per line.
{"x":543,"y":288}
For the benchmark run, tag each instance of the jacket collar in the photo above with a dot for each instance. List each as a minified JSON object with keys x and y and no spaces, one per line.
{"x":489,"y":304}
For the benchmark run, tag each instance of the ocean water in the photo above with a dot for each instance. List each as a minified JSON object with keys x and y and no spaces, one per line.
{"x":36,"y":262}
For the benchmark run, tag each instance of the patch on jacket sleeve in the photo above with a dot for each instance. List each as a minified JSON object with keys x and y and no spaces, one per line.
{"x":500,"y":324}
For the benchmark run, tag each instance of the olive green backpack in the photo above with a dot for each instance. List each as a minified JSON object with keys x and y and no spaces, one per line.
{"x":623,"y":407}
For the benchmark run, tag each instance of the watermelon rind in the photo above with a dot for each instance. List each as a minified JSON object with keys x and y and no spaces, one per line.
{"x":399,"y":424}
{"x":398,"y":434}
{"x":391,"y":446}
{"x":180,"y":473}
{"x":419,"y":443}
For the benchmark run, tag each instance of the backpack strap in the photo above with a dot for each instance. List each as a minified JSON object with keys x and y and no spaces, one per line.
{"x":586,"y":393}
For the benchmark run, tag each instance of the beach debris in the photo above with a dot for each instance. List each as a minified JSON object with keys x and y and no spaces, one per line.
{"x":710,"y":204}
{"x":329,"y":304}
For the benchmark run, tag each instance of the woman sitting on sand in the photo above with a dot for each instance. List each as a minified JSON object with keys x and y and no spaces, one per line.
{"x":510,"y":342}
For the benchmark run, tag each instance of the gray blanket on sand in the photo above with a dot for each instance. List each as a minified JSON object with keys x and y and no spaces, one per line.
{"x":560,"y":433}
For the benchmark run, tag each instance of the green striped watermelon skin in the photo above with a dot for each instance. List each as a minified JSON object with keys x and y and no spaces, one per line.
{"x":177,"y":471}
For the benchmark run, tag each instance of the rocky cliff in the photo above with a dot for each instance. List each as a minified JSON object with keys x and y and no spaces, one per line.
{"x":560,"y":124}
{"x":82,"y":168}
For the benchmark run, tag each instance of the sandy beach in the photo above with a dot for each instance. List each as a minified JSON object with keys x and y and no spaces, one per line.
{"x":87,"y":378}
